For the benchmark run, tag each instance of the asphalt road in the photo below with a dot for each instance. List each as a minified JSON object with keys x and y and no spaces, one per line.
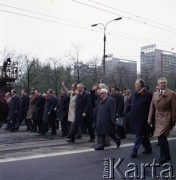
{"x":79,"y":166}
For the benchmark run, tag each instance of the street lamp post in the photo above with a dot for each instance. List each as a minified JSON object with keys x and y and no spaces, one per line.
{"x":104,"y":41}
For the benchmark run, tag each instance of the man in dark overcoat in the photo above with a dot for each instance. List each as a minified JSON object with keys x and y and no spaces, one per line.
{"x":14,"y":107}
{"x":3,"y":109}
{"x":63,"y":107}
{"x":38,"y":110}
{"x":140,"y":105}
{"x":49,"y":115}
{"x":106,"y":116}
{"x":23,"y":108}
{"x":119,"y":101}
{"x":82,"y":114}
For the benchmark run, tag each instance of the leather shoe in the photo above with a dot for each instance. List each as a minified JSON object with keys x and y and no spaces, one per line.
{"x":78,"y":137}
{"x":133,"y":155}
{"x":147,"y":151}
{"x":71,"y":140}
{"x":118,"y":142}
{"x":99,"y":147}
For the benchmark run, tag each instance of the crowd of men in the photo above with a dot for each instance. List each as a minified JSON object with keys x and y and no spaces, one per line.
{"x":96,"y":112}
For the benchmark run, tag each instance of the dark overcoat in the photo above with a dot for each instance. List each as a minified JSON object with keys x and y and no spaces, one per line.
{"x":23,"y":107}
{"x":3,"y":108}
{"x":50,"y":105}
{"x":39,"y":108}
{"x":14,"y":107}
{"x":93,"y":107}
{"x":106,"y":116}
{"x":82,"y":106}
{"x":63,"y":107}
{"x":119,"y":101}
{"x":140,"y":105}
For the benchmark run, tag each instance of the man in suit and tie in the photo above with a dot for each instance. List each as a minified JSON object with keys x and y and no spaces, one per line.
{"x":140,"y":105}
{"x":14,"y":108}
{"x":82,"y":114}
{"x":23,"y":108}
{"x":63,"y":107}
{"x":38,"y":110}
{"x":163,"y":111}
{"x":49,"y":115}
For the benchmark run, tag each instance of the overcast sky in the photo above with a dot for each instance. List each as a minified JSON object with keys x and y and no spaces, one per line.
{"x":43,"y":38}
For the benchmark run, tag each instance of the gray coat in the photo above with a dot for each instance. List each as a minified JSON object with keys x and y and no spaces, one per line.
{"x":106,"y":116}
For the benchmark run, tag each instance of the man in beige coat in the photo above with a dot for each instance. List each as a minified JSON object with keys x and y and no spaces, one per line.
{"x":163,"y":111}
{"x":31,"y":126}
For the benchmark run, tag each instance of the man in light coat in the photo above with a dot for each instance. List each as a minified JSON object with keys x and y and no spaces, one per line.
{"x":163,"y":111}
{"x":82,"y":114}
{"x":31,"y":126}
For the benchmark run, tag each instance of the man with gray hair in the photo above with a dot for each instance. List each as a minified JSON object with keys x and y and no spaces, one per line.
{"x":163,"y":111}
{"x":106,"y":116}
{"x":82,"y":114}
{"x":102,"y":85}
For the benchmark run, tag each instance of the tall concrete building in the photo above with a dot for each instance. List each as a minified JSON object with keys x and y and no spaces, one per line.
{"x":156,"y":61}
{"x":130,"y":65}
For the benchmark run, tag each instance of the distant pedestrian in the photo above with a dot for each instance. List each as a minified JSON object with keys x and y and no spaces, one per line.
{"x":29,"y":121}
{"x":23,"y":109}
{"x":63,"y":107}
{"x":14,"y":108}
{"x":49,"y":116}
{"x":38,"y":110}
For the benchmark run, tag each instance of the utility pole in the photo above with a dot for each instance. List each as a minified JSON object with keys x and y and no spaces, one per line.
{"x":104,"y":44}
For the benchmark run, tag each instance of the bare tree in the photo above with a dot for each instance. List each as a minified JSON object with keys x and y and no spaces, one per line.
{"x":29,"y":72}
{"x":55,"y":64}
{"x":74,"y":60}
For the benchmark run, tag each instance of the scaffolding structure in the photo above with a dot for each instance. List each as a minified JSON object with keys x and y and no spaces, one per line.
{"x":8,"y":75}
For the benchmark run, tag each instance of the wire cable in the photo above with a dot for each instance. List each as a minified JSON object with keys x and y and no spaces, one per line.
{"x":129,"y":18}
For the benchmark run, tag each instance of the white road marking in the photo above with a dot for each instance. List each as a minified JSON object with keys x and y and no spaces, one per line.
{"x":67,"y":152}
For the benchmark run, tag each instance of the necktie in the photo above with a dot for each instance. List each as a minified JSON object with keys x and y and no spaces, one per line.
{"x":161,"y":92}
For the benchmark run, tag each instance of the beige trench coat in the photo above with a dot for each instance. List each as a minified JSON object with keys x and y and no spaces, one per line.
{"x":31,"y":107}
{"x":71,"y":112}
{"x":163,"y":111}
